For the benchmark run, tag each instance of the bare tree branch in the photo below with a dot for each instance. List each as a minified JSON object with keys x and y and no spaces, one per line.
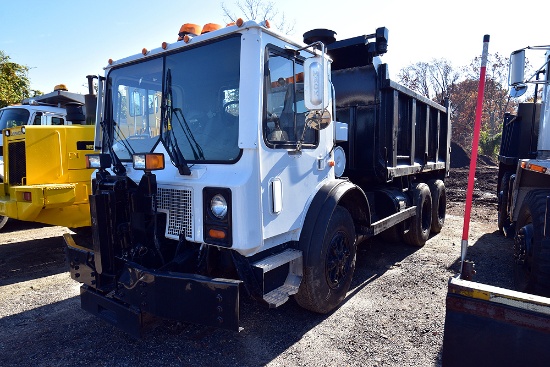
{"x":257,"y":10}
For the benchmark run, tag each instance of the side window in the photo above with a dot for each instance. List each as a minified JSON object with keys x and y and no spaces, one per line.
{"x":284,"y":115}
{"x":37,"y":119}
{"x":57,"y":121}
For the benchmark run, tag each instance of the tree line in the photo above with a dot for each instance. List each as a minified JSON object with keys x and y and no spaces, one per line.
{"x":439,"y":79}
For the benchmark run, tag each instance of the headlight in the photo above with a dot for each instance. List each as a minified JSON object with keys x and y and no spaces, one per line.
{"x":98,"y":161}
{"x":218,"y":206}
{"x":148,"y":161}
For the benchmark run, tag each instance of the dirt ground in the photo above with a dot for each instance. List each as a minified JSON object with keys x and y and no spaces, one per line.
{"x":393,"y":315}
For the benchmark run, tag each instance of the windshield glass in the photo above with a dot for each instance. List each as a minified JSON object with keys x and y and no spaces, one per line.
{"x":11,"y":117}
{"x":188,"y":100}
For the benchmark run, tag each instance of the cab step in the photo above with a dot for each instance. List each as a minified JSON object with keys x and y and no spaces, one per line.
{"x":279,"y":280}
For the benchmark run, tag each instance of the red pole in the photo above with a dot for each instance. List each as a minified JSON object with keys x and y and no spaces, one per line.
{"x":473,"y":159}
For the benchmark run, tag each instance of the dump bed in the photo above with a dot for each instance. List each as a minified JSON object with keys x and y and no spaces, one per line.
{"x":393,"y":131}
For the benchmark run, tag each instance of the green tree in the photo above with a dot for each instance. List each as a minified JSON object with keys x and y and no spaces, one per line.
{"x":14,"y":81}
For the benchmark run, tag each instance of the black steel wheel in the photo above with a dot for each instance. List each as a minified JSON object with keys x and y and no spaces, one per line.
{"x":329,"y":265}
{"x":531,"y":251}
{"x":503,"y":220}
{"x":439,"y":204}
{"x":420,"y":225}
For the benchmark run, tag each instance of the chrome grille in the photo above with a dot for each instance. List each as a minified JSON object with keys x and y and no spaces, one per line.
{"x":177,"y":205}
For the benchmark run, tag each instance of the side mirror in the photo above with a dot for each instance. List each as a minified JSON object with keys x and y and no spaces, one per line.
{"x":516,"y":70}
{"x":518,"y":90}
{"x":316,"y":84}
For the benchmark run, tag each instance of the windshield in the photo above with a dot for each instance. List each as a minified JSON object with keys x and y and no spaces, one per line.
{"x":188,"y":101}
{"x":11,"y":117}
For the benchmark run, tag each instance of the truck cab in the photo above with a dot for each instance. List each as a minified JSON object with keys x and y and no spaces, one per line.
{"x":222,"y":172}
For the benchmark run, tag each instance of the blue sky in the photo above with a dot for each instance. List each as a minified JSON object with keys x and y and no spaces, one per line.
{"x":62,"y":41}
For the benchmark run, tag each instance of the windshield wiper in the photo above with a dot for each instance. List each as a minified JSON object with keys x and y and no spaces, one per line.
{"x":108,"y":139}
{"x":169,"y":138}
{"x":195,"y":147}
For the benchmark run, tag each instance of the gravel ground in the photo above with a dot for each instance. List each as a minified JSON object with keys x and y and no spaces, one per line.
{"x":393,"y":315}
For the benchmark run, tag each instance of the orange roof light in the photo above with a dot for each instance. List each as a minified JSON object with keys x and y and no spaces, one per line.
{"x":110,"y":61}
{"x":210,"y":27}
{"x":187,"y":38}
{"x":267,"y":24}
{"x":60,"y":87}
{"x":164,"y":45}
{"x":144,"y":51}
{"x":240,"y":22}
{"x":189,"y":28}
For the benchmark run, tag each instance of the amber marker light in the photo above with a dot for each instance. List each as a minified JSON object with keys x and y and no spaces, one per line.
{"x":110,"y":61}
{"x":267,"y":24}
{"x":144,"y":51}
{"x":187,"y":38}
{"x":240,"y":22}
{"x":331,"y":163}
{"x":164,"y":45}
{"x":216,"y":233}
{"x":536,"y":168}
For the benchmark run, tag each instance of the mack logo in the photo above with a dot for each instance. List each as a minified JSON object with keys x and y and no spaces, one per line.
{"x":85,"y":145}
{"x":17,"y":132}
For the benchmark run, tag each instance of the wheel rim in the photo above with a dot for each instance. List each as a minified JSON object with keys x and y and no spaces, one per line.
{"x":338,"y":259}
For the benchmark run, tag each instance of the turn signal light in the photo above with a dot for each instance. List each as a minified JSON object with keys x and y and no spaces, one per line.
{"x":148,"y":161}
{"x":216,"y":233}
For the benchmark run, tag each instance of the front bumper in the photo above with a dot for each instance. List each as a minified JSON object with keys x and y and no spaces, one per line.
{"x":56,"y":204}
{"x":137,"y":292}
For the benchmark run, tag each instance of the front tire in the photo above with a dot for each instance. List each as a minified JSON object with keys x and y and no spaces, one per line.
{"x":531,"y":251}
{"x":329,"y":265}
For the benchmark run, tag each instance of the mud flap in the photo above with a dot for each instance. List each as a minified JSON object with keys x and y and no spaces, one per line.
{"x":491,"y":326}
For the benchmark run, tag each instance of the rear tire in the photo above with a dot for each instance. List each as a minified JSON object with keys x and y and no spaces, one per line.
{"x":531,"y":251}
{"x":439,"y":204}
{"x":329,"y":265}
{"x":420,"y":224}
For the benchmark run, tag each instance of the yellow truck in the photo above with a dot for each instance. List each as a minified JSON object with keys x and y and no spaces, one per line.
{"x":44,"y":175}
